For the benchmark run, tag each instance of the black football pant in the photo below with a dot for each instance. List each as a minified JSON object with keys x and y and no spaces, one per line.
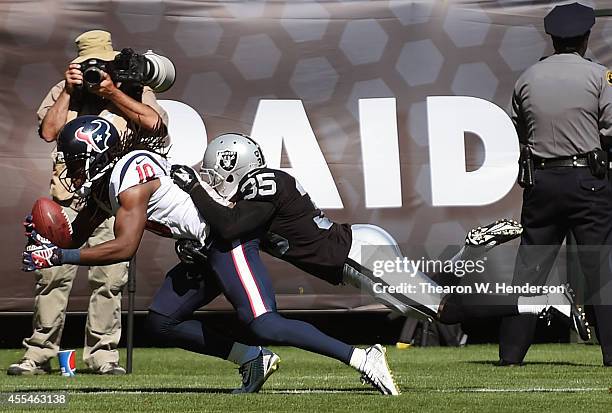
{"x":563,"y":200}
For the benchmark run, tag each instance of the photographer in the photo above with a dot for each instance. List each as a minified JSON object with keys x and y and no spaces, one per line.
{"x":121,"y":103}
{"x":562,"y":111}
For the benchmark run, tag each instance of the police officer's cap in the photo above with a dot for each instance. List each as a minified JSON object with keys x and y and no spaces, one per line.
{"x":569,"y":20}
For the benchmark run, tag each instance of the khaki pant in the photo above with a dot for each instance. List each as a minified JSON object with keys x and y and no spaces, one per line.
{"x":103,"y":328}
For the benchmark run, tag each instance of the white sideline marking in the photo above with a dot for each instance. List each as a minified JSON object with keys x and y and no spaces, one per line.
{"x":318,"y":391}
{"x":467,"y":390}
{"x":526,"y":390}
{"x":339,"y":391}
{"x":347,"y":391}
{"x":288,"y":391}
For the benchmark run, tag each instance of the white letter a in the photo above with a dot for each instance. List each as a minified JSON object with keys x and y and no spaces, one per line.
{"x":285,"y":121}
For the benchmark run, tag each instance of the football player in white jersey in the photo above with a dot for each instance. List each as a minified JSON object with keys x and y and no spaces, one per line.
{"x":129,"y":178}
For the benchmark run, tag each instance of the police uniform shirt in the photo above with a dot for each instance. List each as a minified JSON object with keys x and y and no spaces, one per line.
{"x":562,"y":105}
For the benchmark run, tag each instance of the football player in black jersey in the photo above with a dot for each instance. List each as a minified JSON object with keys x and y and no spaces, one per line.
{"x":271,"y":202}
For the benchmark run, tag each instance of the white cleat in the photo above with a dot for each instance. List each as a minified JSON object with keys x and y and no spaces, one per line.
{"x":496,"y":233}
{"x":255,"y":372}
{"x":376,"y":371}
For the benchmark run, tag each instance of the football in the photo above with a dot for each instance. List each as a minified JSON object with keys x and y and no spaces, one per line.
{"x":51,"y":222}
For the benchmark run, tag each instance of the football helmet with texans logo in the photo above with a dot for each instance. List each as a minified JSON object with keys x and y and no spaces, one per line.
{"x":227,"y":159}
{"x":84,"y":143}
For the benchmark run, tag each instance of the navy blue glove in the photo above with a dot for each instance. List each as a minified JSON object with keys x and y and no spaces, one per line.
{"x":39,"y":252}
{"x":28,"y":225}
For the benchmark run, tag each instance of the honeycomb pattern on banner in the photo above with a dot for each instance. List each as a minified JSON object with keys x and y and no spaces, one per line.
{"x":230,"y":54}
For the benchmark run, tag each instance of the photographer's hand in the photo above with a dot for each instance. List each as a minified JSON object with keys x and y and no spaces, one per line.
{"x":52,"y":118}
{"x":73,"y":77}
{"x":141,"y":114}
{"x":106,"y":88}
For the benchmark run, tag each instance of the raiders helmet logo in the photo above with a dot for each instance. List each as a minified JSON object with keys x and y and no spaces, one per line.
{"x":227,"y":159}
{"x":96,"y":139}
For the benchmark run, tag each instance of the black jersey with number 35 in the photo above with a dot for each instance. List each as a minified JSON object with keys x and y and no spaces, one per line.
{"x":298,"y":231}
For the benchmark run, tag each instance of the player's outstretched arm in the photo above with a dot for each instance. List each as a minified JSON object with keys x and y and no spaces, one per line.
{"x":129,"y":226}
{"x":228,"y":223}
{"x":130,"y":222}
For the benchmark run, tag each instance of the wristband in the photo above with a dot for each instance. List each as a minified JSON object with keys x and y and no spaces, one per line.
{"x":72,"y":256}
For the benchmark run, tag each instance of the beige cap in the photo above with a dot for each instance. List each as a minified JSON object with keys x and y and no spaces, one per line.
{"x":94,"y":44}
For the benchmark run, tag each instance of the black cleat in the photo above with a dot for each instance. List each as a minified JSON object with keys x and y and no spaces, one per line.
{"x":571,"y":313}
{"x":255,"y":372}
{"x":505,"y":363}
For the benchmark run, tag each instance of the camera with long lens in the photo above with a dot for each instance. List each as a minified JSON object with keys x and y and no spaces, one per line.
{"x":92,"y":71}
{"x":148,"y":69}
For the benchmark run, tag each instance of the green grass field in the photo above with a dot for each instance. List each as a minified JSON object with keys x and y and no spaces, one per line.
{"x":559,"y":378}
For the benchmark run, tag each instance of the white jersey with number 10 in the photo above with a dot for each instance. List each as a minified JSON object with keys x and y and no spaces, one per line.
{"x":170,"y":211}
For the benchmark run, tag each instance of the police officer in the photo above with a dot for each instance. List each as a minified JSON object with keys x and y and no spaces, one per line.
{"x":562,"y":110}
